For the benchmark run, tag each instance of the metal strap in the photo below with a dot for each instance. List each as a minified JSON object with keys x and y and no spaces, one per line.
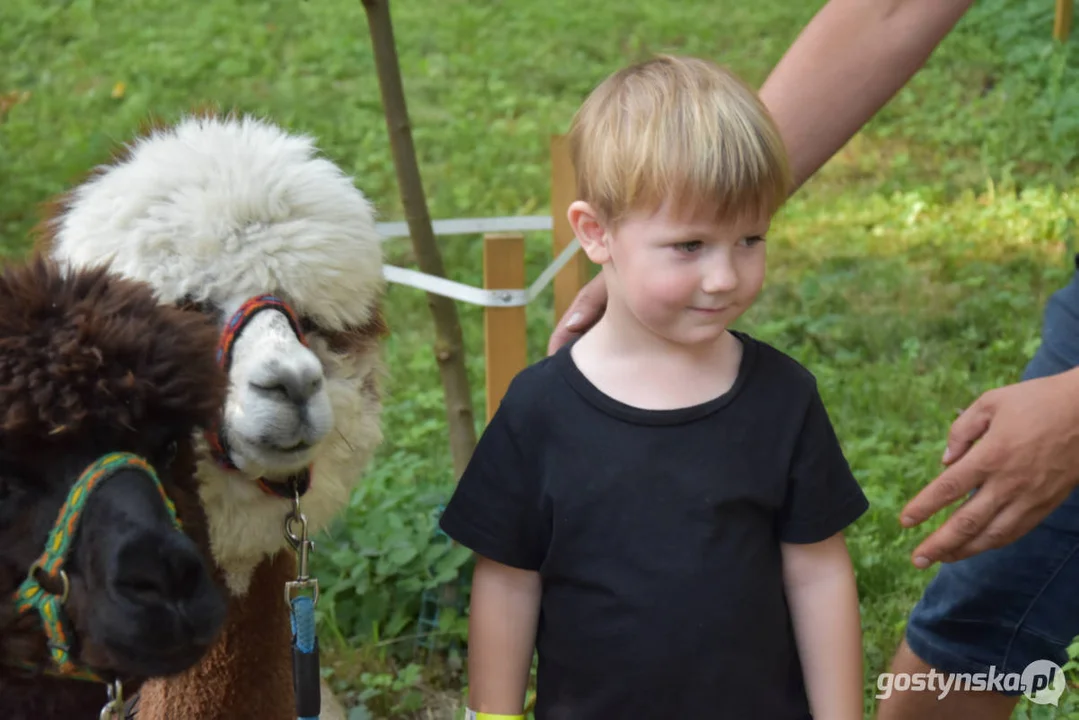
{"x":471,"y":226}
{"x":497,"y":297}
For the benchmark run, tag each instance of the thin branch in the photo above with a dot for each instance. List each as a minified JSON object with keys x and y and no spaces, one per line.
{"x":449,"y":341}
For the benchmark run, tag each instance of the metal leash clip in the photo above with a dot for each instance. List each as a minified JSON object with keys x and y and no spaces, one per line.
{"x":303,"y":546}
{"x":114,"y":708}
{"x":305,"y":650}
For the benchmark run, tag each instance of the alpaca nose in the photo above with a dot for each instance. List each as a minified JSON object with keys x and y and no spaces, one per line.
{"x":296,"y":379}
{"x":154,"y":569}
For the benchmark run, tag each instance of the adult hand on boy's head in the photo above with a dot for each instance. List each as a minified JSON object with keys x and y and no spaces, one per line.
{"x":582,"y":314}
{"x":1024,"y":466}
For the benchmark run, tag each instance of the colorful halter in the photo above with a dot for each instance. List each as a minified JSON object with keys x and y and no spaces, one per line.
{"x":32,"y":595}
{"x":215,"y":436}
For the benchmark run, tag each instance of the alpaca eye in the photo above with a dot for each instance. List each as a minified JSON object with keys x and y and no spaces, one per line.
{"x":170,"y":454}
{"x":10,"y":499}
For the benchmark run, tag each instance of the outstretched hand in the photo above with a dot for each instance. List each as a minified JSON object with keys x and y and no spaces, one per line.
{"x":1024,"y":464}
{"x":582,"y":314}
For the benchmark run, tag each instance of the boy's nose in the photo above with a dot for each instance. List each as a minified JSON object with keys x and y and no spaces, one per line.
{"x":720,"y":276}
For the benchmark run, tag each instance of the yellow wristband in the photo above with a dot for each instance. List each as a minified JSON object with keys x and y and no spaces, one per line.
{"x":471,"y":714}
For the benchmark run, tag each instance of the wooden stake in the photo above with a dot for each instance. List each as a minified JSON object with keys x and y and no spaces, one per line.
{"x":504,"y":336}
{"x":573,"y":276}
{"x":1062,"y":25}
{"x":449,"y":340}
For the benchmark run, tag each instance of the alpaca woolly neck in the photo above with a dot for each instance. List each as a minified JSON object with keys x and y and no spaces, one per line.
{"x":248,"y":671}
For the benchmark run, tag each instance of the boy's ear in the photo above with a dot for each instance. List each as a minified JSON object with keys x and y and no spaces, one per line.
{"x":590,"y":233}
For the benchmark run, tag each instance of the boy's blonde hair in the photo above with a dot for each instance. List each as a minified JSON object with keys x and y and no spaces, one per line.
{"x":678,"y":130}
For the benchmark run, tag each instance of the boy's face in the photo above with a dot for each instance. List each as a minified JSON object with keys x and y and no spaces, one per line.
{"x":685,"y":279}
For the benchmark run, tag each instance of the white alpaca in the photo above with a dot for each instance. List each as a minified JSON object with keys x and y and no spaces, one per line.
{"x":215,"y":211}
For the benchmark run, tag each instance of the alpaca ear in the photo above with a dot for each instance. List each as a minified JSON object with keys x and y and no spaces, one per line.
{"x":589,"y":231}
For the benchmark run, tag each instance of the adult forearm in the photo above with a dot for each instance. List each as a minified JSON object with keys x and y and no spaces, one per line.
{"x":847,"y":63}
{"x":502,"y":629}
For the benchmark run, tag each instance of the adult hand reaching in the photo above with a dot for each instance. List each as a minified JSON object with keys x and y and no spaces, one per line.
{"x":1025,"y":463}
{"x":582,"y":314}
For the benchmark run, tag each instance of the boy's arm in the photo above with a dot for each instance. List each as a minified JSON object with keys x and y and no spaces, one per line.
{"x":501,"y":636}
{"x":823,"y":600}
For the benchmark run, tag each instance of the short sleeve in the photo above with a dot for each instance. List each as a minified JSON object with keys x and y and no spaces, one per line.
{"x":496,"y":508}
{"x":822,"y":497}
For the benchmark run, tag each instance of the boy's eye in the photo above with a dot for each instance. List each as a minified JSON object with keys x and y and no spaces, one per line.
{"x":689,"y":246}
{"x":753,"y":240}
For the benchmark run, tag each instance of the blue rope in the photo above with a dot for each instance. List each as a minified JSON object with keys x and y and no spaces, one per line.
{"x":303,"y":623}
{"x":302,"y":620}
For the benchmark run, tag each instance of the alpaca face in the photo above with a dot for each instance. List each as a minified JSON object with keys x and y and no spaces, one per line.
{"x":278,"y":410}
{"x":91,"y":366}
{"x":326,"y":425}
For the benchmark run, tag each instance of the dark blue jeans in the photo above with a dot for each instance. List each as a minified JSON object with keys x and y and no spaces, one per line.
{"x":1020,"y":603}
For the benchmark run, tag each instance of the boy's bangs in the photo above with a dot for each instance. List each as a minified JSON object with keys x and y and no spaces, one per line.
{"x":719,"y":176}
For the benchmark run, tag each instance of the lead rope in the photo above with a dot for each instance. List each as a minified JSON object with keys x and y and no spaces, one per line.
{"x":305,"y":659}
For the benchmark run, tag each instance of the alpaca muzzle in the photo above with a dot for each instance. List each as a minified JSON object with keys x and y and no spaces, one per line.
{"x":297,"y":483}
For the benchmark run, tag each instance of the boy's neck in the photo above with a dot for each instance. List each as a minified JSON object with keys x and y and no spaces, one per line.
{"x":634,"y":366}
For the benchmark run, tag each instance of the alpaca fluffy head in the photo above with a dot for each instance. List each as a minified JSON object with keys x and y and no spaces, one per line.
{"x":216,"y":210}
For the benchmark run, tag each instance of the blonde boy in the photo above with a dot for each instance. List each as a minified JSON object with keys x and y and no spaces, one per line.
{"x":658,"y":507}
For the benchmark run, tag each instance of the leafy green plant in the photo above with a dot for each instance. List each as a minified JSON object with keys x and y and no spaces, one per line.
{"x":377,"y":564}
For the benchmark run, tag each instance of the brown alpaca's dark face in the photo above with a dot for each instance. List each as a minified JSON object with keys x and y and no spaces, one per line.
{"x":92,"y":365}
{"x":142,"y":598}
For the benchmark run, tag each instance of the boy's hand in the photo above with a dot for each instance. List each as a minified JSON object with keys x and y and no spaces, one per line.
{"x":1025,"y":465}
{"x":582,"y":314}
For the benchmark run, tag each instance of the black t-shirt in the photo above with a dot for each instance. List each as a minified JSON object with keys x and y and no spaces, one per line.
{"x":656,"y":534}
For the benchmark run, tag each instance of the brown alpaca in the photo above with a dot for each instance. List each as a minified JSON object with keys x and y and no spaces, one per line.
{"x":249,"y":224}
{"x":90,"y":365}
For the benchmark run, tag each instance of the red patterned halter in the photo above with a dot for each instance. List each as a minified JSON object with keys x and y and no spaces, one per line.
{"x":214,"y":435}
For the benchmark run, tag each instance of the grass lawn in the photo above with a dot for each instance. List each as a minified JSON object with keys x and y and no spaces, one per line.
{"x":909,"y":275}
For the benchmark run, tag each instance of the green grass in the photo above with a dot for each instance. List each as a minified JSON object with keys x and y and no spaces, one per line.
{"x":909,"y":275}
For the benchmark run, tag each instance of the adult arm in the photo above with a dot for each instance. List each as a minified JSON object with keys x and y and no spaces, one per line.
{"x":501,"y":636}
{"x":1019,"y":446}
{"x":848,"y":62}
{"x":823,"y":599}
{"x":851,"y":59}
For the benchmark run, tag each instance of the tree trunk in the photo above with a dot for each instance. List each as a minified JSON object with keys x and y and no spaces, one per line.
{"x":449,"y":342}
